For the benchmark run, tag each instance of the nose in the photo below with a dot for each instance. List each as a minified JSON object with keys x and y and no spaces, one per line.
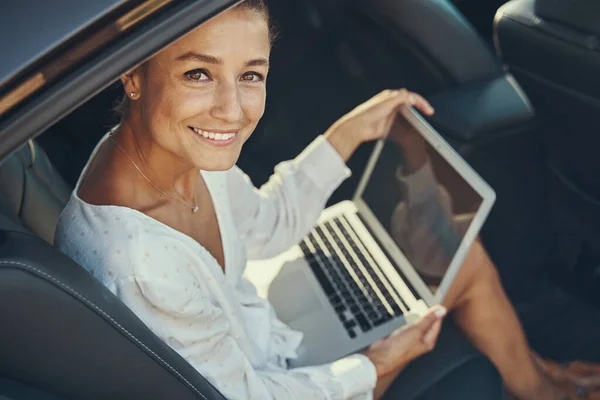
{"x":226,"y":104}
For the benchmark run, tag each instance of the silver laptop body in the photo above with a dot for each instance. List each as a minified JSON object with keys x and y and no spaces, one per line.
{"x":356,"y":277}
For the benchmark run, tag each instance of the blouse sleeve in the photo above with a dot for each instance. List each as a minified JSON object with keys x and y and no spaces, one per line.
{"x":276,"y":216}
{"x":181,"y":310}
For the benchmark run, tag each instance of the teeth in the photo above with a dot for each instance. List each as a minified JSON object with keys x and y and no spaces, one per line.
{"x":214,"y":136}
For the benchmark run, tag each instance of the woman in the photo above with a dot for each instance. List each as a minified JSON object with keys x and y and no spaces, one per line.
{"x":162,"y":216}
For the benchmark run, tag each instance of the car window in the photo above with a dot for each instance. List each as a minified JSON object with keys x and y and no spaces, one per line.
{"x":74,"y":70}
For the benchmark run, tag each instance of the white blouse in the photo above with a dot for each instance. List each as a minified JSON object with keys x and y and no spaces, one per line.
{"x":214,"y":319}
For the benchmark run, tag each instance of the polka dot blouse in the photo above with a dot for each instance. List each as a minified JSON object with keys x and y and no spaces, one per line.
{"x":214,"y":319}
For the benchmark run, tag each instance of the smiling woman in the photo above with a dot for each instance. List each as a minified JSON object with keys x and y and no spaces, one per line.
{"x":176,"y":220}
{"x":163,"y":217}
{"x":209,"y":84}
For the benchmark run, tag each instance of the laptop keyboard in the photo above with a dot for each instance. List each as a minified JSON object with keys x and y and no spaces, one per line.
{"x":357,"y":289}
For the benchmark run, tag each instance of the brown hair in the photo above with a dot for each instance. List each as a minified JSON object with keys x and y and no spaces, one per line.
{"x":122,"y":105}
{"x":261,"y":7}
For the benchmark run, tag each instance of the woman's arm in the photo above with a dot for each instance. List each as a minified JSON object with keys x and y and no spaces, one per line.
{"x":276,"y":216}
{"x":281,"y":212}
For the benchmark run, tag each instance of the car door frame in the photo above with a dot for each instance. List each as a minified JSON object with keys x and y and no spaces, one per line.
{"x":76,"y":71}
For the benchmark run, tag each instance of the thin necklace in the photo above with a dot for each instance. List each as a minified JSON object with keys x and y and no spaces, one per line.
{"x":193,"y":207}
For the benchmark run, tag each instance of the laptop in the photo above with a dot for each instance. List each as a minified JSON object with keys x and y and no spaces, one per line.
{"x":381,"y":260}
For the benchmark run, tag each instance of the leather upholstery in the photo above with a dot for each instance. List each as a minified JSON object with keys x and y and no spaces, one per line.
{"x":482,"y":110}
{"x":578,"y":14}
{"x":442,"y":33}
{"x":65,"y":334}
{"x":558,"y":66}
{"x":27,"y":177}
{"x":553,"y":52}
{"x":553,"y":49}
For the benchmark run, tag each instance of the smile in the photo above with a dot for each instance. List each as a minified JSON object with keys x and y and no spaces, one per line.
{"x":215,"y":136}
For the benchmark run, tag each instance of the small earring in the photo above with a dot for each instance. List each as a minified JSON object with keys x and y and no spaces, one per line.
{"x":132,"y":94}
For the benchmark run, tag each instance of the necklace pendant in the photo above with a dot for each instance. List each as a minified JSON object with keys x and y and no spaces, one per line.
{"x":195,"y":209}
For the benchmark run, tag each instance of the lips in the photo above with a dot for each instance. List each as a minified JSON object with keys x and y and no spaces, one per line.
{"x":216,"y":136}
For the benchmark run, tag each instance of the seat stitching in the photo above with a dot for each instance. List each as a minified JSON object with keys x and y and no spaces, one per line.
{"x":88,"y":302}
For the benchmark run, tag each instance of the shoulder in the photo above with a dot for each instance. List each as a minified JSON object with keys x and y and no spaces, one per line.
{"x":100,"y":236}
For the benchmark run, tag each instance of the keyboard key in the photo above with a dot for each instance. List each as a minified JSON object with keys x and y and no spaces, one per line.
{"x":348,"y":298}
{"x":340,"y":308}
{"x":372,"y":315}
{"x":349,"y":324}
{"x":348,"y":315}
{"x":364,"y":302}
{"x":305,"y":250}
{"x":323,"y":280}
{"x":335,"y":299}
{"x":351,"y":333}
{"x":397,"y":309}
{"x":365,"y":326}
{"x":382,"y":320}
{"x":362,"y":299}
{"x":368,"y":308}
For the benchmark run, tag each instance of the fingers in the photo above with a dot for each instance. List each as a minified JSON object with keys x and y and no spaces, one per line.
{"x":419,"y":102}
{"x":430,"y":337}
{"x":421,"y":327}
{"x":429,"y":326}
{"x":425,"y":323}
{"x":388,"y":101}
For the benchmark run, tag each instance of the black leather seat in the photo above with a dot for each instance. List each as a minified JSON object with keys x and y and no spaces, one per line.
{"x":432,"y":35}
{"x":442,"y":39}
{"x":63,"y":334}
{"x":552,"y":47}
{"x":33,"y":190}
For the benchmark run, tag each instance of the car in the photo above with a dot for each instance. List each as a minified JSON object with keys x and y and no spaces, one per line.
{"x":64,"y":335}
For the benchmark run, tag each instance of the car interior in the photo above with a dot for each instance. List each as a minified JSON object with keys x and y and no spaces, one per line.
{"x":522,"y":113}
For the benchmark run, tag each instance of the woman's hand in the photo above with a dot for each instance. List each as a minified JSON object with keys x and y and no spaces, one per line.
{"x":371,"y":120}
{"x":394,"y":352}
{"x":410,"y":143}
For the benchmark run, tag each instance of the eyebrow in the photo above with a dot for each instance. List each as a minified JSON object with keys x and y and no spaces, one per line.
{"x":259,"y":62}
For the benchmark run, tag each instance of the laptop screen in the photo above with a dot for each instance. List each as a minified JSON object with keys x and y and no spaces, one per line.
{"x":420,"y":199}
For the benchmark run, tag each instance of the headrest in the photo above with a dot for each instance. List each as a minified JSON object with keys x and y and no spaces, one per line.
{"x":579,"y":14}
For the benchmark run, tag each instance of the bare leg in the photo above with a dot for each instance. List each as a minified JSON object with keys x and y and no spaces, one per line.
{"x":484,"y":313}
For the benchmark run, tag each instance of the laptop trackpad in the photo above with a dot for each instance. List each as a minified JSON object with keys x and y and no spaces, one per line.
{"x":293,"y":296}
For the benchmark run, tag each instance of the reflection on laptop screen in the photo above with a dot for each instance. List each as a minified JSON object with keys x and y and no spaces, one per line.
{"x":420,"y":200}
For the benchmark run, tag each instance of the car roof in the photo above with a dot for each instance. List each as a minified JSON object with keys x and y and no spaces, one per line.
{"x":78,"y":49}
{"x":31,"y":29}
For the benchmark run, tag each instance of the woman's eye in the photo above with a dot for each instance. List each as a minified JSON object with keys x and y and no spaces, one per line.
{"x":252,"y":77}
{"x":197,"y":75}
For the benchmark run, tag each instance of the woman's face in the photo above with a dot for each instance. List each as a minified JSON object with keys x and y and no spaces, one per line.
{"x":202,"y":97}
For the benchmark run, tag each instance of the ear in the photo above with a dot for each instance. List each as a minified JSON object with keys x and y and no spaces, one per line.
{"x":132,"y":83}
